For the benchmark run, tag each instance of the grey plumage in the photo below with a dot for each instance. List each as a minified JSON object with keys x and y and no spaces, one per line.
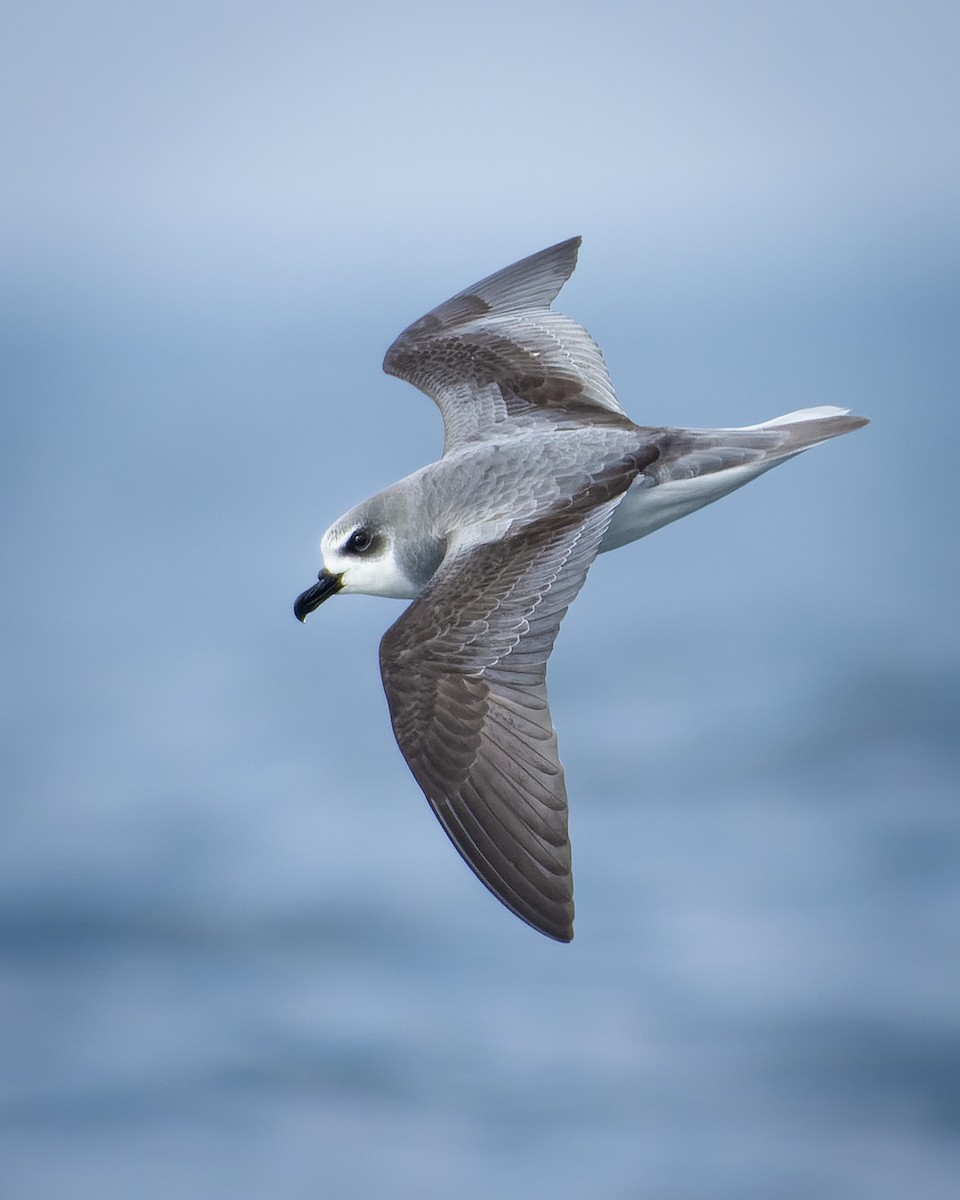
{"x":497,"y":351}
{"x":542,"y":470}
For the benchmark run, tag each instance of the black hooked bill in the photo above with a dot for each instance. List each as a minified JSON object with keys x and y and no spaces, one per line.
{"x":327,"y":585}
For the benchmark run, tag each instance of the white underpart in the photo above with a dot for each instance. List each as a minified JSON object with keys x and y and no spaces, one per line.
{"x":645,"y":508}
{"x":370,"y":576}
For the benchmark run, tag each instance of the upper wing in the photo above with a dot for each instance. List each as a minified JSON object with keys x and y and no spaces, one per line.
{"x":497,"y":351}
{"x":464,"y":670}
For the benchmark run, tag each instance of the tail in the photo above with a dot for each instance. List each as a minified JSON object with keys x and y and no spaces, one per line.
{"x":697,"y":466}
{"x":819,"y":423}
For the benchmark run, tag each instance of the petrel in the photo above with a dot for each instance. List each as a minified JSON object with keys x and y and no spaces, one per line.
{"x":541,"y":471}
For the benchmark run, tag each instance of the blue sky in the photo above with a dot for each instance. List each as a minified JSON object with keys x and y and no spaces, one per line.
{"x":245,"y":146}
{"x":214,"y":219}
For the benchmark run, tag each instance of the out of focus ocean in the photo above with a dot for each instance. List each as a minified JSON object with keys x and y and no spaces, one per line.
{"x":238,"y":957}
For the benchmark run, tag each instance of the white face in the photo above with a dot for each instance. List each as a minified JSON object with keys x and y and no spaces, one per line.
{"x":365,"y":561}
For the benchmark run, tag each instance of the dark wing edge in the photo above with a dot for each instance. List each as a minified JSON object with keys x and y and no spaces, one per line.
{"x":497,"y":352}
{"x":464,"y":671}
{"x":533,"y":282}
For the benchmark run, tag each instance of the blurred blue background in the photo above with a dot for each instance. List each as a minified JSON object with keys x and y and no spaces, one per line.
{"x":238,"y":957}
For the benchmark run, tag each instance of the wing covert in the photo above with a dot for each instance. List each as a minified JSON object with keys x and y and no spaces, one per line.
{"x":496,"y":352}
{"x":464,"y":671}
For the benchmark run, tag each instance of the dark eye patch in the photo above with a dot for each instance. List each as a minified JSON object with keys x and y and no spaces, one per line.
{"x":359,"y":541}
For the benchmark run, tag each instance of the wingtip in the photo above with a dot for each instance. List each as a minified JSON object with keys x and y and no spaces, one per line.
{"x":557,"y":930}
{"x":569,"y":245}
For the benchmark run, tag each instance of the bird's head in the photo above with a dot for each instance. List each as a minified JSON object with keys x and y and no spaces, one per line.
{"x":367,"y":552}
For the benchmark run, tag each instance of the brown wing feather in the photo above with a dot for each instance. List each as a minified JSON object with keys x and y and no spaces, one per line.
{"x":464,"y":670}
{"x":496,"y":352}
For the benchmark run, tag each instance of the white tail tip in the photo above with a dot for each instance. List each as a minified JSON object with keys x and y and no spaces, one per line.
{"x":803,"y":414}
